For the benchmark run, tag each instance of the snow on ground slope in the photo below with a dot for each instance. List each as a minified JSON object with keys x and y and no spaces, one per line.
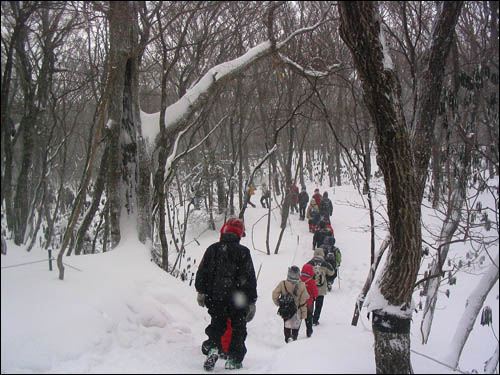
{"x":119,"y":313}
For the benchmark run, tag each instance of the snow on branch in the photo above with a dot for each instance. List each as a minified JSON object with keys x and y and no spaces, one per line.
{"x":173,"y":157}
{"x":305,"y":71}
{"x":298,"y":32}
{"x":179,"y":112}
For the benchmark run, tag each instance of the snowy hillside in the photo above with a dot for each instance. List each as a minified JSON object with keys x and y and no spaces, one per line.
{"x":118,"y":312}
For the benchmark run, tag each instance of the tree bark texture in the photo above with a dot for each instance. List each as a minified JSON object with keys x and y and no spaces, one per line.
{"x":430,"y":87}
{"x":360,"y":29}
{"x":128,"y":184}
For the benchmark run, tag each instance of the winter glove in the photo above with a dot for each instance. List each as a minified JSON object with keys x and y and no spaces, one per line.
{"x":251,"y":312}
{"x":201,"y":299}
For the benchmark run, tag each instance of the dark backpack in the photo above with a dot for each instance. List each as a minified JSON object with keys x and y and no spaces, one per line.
{"x":287,"y":307}
{"x":334,"y":257}
{"x":324,"y":206}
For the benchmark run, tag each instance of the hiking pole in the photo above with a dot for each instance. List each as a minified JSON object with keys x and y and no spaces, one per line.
{"x":338,"y":276}
{"x":293,"y":260}
{"x":258,"y":273}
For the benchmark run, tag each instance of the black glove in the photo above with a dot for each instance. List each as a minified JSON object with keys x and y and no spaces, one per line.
{"x":201,"y":299}
{"x":251,"y":312}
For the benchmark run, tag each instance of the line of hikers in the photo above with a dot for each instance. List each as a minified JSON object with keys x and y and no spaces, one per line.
{"x":319,"y":207}
{"x":301,"y":295}
{"x":227,"y":287}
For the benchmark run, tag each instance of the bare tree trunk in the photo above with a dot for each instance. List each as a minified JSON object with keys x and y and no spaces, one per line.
{"x":8,"y":132}
{"x":96,"y":199}
{"x":369,"y":280}
{"x":361,"y":27}
{"x":472,"y":307}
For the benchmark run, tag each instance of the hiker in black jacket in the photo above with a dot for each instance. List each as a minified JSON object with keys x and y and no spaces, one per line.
{"x":322,"y":269}
{"x":227,"y":286}
{"x":303,"y":201}
{"x":326,"y":207}
{"x":320,"y":234}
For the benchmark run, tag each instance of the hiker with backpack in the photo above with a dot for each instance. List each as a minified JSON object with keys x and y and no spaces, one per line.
{"x":321,"y":269}
{"x":250,"y":191}
{"x":291,"y":297}
{"x":320,"y":234}
{"x":225,"y":271}
{"x":266,"y":196}
{"x":333,"y":256}
{"x":325,"y":207}
{"x":313,"y":215}
{"x":303,"y":201}
{"x":307,"y":276}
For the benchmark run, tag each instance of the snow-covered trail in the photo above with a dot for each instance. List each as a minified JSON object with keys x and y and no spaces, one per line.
{"x":137,"y":341}
{"x":123,"y":314}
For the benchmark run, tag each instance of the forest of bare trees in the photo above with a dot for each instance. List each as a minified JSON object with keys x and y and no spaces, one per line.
{"x":279,"y":92}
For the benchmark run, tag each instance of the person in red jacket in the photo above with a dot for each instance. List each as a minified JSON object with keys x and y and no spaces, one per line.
{"x":317,"y":196}
{"x":307,"y":276}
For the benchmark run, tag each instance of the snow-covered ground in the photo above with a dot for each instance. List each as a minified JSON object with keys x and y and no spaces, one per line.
{"x":118,"y":312}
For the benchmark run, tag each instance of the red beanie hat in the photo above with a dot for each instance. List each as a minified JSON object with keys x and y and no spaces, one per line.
{"x":234,"y":225}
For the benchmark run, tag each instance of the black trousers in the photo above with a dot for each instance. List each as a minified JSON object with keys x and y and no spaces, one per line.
{"x":302,"y":211}
{"x":318,"y":305}
{"x":309,"y":318}
{"x":219,"y":312}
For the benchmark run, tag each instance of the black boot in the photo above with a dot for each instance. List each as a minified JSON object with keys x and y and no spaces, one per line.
{"x":295,"y":334}
{"x":288,"y":334}
{"x":309,"y":332}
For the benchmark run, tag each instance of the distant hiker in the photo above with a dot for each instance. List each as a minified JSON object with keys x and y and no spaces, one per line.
{"x":266,"y":196}
{"x":227,"y":286}
{"x":317,"y":196}
{"x":303,"y":201}
{"x":313,"y":215}
{"x":321,"y":270}
{"x":295,"y":288}
{"x":326,"y":206}
{"x":294,"y":198}
{"x":250,"y":192}
{"x":320,"y":234}
{"x":307,"y":276}
{"x":333,"y":256}
{"x":195,"y":197}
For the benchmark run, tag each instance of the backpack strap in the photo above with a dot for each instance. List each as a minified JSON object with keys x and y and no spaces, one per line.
{"x":284,"y":285}
{"x":294,"y":289}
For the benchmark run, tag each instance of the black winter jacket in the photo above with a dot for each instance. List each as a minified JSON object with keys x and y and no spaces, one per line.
{"x":326,"y":206}
{"x":226,"y":268}
{"x":303,"y":198}
{"x":319,"y":236}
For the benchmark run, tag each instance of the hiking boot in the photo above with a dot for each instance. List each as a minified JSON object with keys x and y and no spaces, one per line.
{"x":315,"y":323}
{"x":212,"y":357}
{"x":231,"y":364}
{"x":309,"y":332}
